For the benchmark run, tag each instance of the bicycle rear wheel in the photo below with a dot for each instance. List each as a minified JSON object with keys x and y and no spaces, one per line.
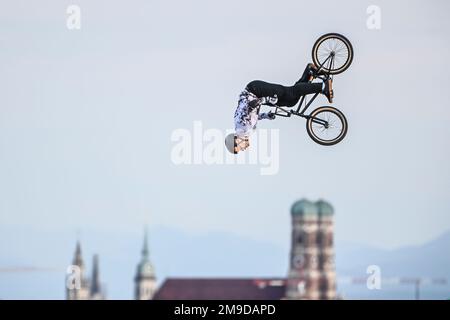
{"x":327,"y":126}
{"x":334,"y":52}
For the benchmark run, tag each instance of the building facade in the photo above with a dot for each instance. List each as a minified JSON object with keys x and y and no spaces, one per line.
{"x":311,"y":265}
{"x":311,"y":273}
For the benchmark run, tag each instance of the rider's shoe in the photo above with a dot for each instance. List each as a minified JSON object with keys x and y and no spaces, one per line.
{"x":313,"y":71}
{"x":328,"y":90}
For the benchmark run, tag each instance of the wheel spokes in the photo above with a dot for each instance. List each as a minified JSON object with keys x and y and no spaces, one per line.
{"x":333,"y":46}
{"x":331,"y":129}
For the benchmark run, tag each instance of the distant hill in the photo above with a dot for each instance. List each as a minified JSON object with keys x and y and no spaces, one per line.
{"x":430,"y":259}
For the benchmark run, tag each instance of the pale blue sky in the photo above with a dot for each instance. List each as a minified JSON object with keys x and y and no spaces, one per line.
{"x":86,"y":117}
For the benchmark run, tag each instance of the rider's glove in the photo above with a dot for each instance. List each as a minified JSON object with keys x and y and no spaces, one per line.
{"x":269,"y":100}
{"x":268,"y":115}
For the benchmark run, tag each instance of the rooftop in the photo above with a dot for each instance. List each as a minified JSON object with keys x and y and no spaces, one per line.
{"x":222,"y":289}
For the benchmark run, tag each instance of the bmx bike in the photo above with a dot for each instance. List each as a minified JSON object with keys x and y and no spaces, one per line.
{"x":332,"y":54}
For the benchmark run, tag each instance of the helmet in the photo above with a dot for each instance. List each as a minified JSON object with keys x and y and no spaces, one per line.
{"x":230,"y":143}
{"x":236,"y":143}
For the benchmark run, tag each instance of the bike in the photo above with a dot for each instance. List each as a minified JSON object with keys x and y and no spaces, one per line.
{"x":332,"y":54}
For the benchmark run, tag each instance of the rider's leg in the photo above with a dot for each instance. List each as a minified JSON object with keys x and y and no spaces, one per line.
{"x":293,"y":94}
{"x":304,"y":88}
{"x":300,"y":89}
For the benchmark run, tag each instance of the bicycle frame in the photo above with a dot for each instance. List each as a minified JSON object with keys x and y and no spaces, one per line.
{"x":282,"y":112}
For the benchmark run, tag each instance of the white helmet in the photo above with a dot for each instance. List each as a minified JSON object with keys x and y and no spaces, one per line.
{"x":235,"y":143}
{"x":230,"y":143}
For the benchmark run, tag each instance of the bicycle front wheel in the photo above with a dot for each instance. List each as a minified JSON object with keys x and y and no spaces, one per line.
{"x":333,"y":52}
{"x":327,"y":126}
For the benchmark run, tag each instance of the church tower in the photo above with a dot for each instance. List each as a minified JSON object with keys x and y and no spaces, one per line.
{"x":145,"y":280}
{"x":78,"y":287}
{"x":311,"y":268}
{"x":327,"y":279}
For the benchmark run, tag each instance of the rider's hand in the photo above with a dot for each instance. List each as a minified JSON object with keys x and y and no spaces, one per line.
{"x":269,"y":100}
{"x":271,"y":116}
{"x":268,"y":115}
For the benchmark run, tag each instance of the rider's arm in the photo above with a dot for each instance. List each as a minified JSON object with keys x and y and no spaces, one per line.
{"x":271,"y":101}
{"x":264,"y":100}
{"x":252,"y":105}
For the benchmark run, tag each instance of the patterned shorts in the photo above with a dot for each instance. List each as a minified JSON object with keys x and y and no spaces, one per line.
{"x":245,"y":119}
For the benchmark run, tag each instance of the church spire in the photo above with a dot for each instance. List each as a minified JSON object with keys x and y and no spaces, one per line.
{"x":78,"y":259}
{"x":95,"y":282}
{"x":77,"y":287}
{"x":145,"y":251}
{"x":145,"y":280}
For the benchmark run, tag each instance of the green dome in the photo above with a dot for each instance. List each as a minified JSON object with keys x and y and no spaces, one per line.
{"x":325,"y":209}
{"x":304,"y":207}
{"x":145,"y":270}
